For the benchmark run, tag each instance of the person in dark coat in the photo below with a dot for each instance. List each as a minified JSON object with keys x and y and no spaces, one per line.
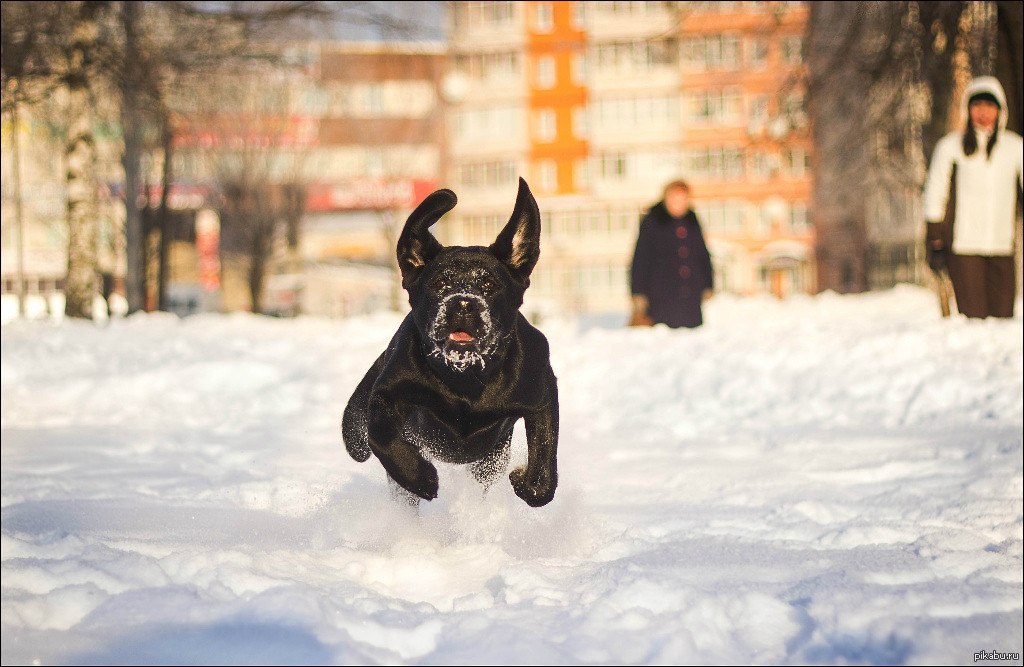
{"x":671,"y":274}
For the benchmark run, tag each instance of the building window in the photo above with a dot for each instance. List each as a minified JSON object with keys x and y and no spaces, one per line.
{"x":762,"y":165}
{"x":791,"y":49}
{"x":548,"y":173}
{"x":579,"y":15}
{"x":486,"y":123}
{"x":613,"y":166}
{"x":714,"y":107}
{"x":581,"y":174}
{"x":734,"y":221}
{"x":579,"y":68}
{"x":495,"y":67}
{"x":641,"y":166}
{"x":543,"y":18}
{"x":757,"y":52}
{"x":723,"y":217}
{"x":580,"y":123}
{"x":798,"y":217}
{"x":629,"y":8}
{"x":628,"y":112}
{"x":793,"y":109}
{"x":491,"y":14}
{"x":773,"y":216}
{"x":796,"y":161}
{"x":545,"y":72}
{"x":712,"y":52}
{"x":545,"y":125}
{"x":655,"y":166}
{"x":758,"y":111}
{"x":712,"y":215}
{"x":716,"y":163}
{"x":639,"y":56}
{"x":487,"y":174}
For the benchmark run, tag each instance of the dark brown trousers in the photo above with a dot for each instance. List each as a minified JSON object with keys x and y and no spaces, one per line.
{"x":984,"y":286}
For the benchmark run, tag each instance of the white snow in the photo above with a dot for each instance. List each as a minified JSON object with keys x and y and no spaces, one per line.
{"x":828,"y":480}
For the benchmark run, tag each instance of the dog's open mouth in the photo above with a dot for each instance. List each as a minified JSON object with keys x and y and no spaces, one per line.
{"x":461,"y":337}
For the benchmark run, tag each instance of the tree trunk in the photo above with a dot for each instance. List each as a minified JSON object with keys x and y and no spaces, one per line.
{"x":837,"y":88}
{"x":82,"y":205}
{"x":135,"y":239}
{"x":940,"y":31}
{"x":163,"y":219}
{"x":258,"y":262}
{"x":1009,"y":66}
{"x":19,"y":214}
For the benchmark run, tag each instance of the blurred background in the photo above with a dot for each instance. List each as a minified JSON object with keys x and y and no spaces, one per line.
{"x":240,"y":156}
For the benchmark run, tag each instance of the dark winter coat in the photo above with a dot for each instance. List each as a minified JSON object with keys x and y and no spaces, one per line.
{"x":671,"y":267}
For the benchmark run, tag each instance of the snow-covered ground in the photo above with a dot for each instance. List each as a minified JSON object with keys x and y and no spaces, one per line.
{"x":825,"y":480}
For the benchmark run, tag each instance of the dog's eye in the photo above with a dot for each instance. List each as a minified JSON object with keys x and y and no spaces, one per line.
{"x":488,"y":286}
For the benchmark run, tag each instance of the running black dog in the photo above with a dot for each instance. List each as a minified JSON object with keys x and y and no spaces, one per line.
{"x":464,"y":366}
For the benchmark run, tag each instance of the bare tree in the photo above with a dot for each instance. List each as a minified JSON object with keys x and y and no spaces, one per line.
{"x":184,"y":45}
{"x":50,"y":48}
{"x":178,"y":45}
{"x":86,"y":51}
{"x":145,"y":52}
{"x":256,"y":157}
{"x":881,"y":83}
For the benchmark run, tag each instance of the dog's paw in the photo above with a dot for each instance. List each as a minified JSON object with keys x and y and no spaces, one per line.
{"x":425,"y":483}
{"x":360,"y":451}
{"x":536,"y":489}
{"x":354,"y":435}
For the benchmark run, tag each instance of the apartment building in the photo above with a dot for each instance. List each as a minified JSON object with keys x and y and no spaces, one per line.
{"x":378,"y":153}
{"x":599,"y":104}
{"x":356,"y":126}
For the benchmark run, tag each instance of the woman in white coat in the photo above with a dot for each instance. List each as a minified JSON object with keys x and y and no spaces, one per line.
{"x":984,"y":163}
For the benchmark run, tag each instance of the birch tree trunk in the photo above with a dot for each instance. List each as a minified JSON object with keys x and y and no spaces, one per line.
{"x":82,"y":206}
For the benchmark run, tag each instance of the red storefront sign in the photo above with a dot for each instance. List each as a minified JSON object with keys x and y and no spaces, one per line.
{"x":367,"y":193}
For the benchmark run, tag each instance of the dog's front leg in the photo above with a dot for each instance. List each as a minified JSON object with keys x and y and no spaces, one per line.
{"x":537,"y":481}
{"x":402,"y":460}
{"x":355,"y":420}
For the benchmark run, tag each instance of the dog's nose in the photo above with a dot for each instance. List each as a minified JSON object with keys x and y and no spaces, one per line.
{"x":462,"y":305}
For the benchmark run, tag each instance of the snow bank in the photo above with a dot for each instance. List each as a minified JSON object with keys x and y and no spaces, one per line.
{"x":824,"y":480}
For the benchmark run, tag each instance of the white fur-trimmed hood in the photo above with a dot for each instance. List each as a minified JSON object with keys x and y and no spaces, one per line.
{"x":986,"y":84}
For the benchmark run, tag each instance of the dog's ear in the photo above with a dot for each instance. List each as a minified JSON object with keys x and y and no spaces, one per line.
{"x":518,"y":244}
{"x":417,"y":246}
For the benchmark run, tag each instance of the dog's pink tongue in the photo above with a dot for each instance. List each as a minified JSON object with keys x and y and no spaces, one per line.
{"x":460,"y":337}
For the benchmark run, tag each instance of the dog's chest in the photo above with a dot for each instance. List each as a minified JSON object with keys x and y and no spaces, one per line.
{"x":457,"y":437}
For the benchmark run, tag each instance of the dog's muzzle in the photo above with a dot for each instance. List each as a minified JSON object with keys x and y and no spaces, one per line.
{"x":462,"y":330}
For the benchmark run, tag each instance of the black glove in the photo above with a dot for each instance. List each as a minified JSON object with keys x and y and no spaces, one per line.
{"x":938,"y":258}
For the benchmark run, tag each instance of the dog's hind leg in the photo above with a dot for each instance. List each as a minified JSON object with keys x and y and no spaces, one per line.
{"x":492,"y":467}
{"x":355,"y":421}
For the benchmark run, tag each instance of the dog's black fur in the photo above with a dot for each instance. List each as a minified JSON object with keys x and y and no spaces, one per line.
{"x":464,"y":366}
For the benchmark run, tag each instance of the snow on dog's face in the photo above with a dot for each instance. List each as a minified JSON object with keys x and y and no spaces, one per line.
{"x":465,"y":299}
{"x":466,"y":311}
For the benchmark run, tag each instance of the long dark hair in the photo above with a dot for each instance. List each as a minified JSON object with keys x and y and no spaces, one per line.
{"x":971,"y":139}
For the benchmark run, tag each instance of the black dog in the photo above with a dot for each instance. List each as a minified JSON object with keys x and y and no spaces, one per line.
{"x":464,"y":366}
